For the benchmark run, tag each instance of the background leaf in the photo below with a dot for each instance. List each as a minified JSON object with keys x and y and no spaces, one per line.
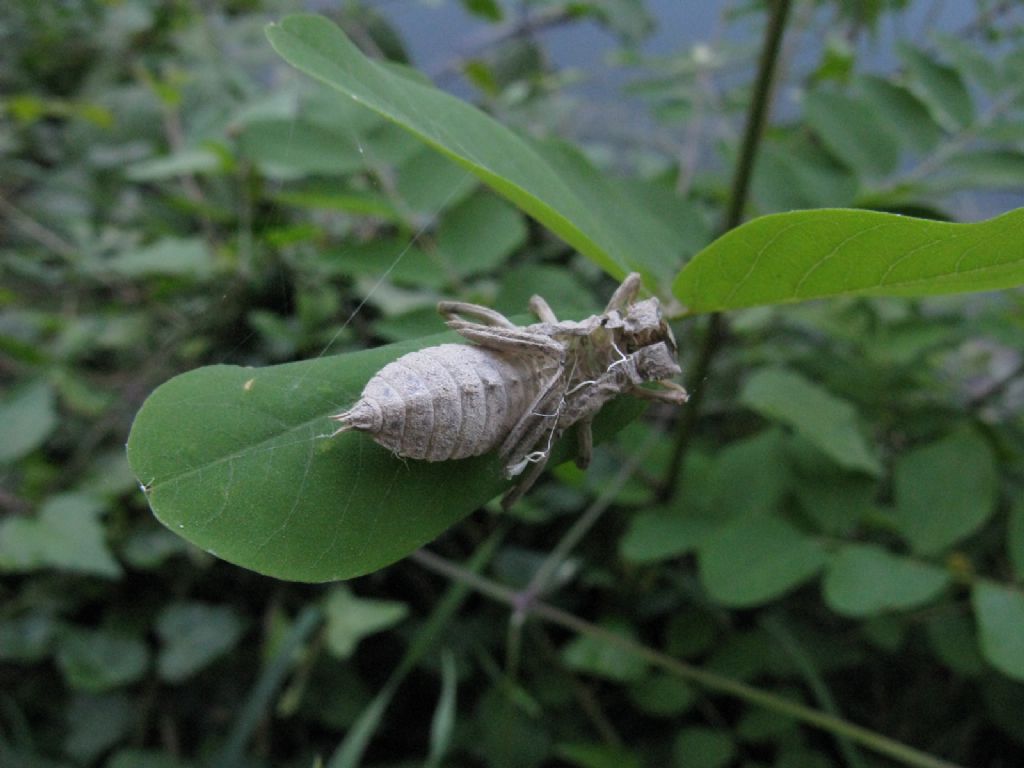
{"x":813,"y":254}
{"x":66,"y":534}
{"x":100,"y":660}
{"x":938,"y":86}
{"x":27,"y":417}
{"x":865,"y":580}
{"x":563,"y":197}
{"x":1000,"y":614}
{"x":828,"y":422}
{"x":192,"y":635}
{"x":854,"y":134}
{"x":945,"y":491}
{"x":755,"y":559}
{"x":350,"y":619}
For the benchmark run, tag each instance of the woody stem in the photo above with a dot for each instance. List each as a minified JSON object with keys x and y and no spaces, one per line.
{"x":739,"y":192}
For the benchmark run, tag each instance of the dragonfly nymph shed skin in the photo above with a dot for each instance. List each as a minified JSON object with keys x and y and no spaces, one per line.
{"x":517,"y":388}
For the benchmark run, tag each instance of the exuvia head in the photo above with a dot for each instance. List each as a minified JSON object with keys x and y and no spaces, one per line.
{"x":644,"y":325}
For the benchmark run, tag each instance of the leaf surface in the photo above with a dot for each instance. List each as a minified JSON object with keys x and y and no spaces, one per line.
{"x":193,"y":635}
{"x":857,"y":136}
{"x":27,"y":417}
{"x":237,"y":461}
{"x":100,"y":660}
{"x":1000,"y":614}
{"x":802,"y":255}
{"x":351,"y":618}
{"x":866,"y":580}
{"x":67,"y":534}
{"x":828,"y":422}
{"x":553,"y":184}
{"x":755,"y":559}
{"x":945,"y":491}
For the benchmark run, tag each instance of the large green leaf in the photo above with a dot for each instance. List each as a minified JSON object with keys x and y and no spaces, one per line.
{"x":236,"y":460}
{"x":813,"y":254}
{"x":553,"y":184}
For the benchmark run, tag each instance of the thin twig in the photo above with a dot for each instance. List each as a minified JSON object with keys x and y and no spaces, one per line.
{"x":865,"y":737}
{"x":542,"y":578}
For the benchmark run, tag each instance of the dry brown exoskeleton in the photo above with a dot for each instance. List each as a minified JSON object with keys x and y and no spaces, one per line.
{"x":517,"y":388}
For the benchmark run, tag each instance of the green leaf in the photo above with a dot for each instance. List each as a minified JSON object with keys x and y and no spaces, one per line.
{"x":429,"y":183}
{"x":100,"y":660}
{"x":490,"y":10}
{"x":66,"y":534}
{"x":865,"y":580}
{"x":480,"y":234}
{"x":954,"y":641}
{"x":1000,"y":614}
{"x":903,"y":114}
{"x":351,"y":618}
{"x":754,"y":559}
{"x":554,"y":185}
{"x":834,"y":499}
{"x":96,"y":723}
{"x":27,"y":417}
{"x":944,"y":491}
{"x":27,"y":638}
{"x":657,"y":535}
{"x":662,"y":695}
{"x":175,"y":256}
{"x":192,"y":635}
{"x":804,"y":255}
{"x":149,"y":549}
{"x":702,"y":748}
{"x":290,"y":148}
{"x":939,"y":87}
{"x":983,"y":169}
{"x":236,"y":460}
{"x":565,"y":293}
{"x":749,"y":475}
{"x":596,"y":656}
{"x":828,"y":422}
{"x":187,"y":161}
{"x":506,"y":734}
{"x":799,"y":175}
{"x":403,"y":263}
{"x":854,"y":134}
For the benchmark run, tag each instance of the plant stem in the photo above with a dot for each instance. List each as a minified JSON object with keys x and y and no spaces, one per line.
{"x":757,"y":115}
{"x":841,"y":728}
{"x":738,"y":194}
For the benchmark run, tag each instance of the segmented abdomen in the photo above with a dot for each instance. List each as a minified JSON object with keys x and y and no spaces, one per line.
{"x":446,"y":402}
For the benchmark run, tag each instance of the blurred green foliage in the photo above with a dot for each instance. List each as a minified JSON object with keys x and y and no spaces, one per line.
{"x":846,"y":531}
